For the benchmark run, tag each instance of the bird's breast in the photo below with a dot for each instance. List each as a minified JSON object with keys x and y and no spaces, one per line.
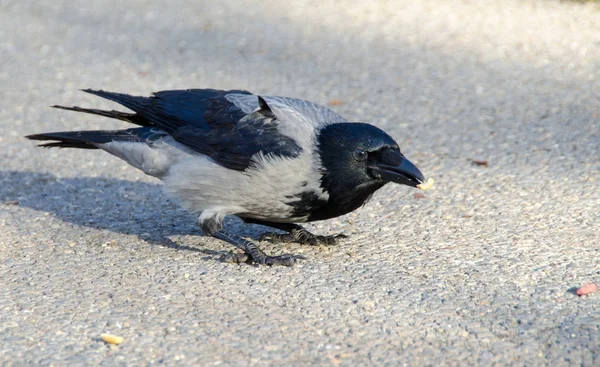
{"x":339,"y":203}
{"x":315,"y":207}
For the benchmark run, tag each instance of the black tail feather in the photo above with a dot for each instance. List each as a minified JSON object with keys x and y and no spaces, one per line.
{"x":123,"y":116}
{"x":90,"y":139}
{"x":145,"y":107}
{"x":64,"y":144}
{"x":134,"y":103}
{"x":62,"y":140}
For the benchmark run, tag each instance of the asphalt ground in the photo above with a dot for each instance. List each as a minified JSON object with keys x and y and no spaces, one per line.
{"x":479,"y":271}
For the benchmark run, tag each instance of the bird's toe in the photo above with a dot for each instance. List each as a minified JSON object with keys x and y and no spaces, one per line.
{"x":301,"y":236}
{"x":284,"y":260}
{"x":235,"y":257}
{"x":276,"y":237}
{"x":333,"y":240}
{"x":328,"y":240}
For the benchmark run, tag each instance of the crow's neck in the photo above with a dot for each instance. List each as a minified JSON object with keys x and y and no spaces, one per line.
{"x":345,"y":195}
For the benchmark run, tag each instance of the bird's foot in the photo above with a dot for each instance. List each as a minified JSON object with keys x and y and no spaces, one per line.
{"x":301,"y":236}
{"x":251,"y":253}
{"x":284,"y":260}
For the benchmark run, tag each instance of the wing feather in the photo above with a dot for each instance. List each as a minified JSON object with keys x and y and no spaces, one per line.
{"x":228,"y":126}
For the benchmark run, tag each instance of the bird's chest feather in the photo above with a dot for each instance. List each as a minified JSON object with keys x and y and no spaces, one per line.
{"x":314,"y":207}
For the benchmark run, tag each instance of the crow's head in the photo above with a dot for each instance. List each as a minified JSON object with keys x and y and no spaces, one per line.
{"x":358,"y":159}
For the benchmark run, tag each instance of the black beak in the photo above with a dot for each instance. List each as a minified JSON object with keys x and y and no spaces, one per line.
{"x":394,"y":167}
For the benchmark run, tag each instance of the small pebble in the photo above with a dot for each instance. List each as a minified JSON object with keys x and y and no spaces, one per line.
{"x":480,"y":163}
{"x":587,"y":289}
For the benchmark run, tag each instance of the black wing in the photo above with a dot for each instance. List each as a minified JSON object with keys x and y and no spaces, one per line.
{"x":205,"y":121}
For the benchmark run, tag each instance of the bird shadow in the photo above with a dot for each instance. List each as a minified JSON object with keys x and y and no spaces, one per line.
{"x":128,"y":207}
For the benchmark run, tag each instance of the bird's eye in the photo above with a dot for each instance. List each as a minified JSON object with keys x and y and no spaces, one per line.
{"x":360,"y":155}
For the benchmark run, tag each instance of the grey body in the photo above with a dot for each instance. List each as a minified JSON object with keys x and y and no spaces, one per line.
{"x":263,"y":191}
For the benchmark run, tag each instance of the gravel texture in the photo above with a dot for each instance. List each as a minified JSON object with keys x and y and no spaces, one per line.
{"x":482,"y":270}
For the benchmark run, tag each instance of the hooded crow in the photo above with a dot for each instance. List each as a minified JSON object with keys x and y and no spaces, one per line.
{"x":273,"y":161}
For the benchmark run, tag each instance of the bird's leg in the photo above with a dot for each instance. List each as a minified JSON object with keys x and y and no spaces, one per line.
{"x":295,"y":233}
{"x":214,"y":227}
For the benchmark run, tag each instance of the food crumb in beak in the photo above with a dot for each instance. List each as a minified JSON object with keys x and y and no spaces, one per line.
{"x":426,"y":186}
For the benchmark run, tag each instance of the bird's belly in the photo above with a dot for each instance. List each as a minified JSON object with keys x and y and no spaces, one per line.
{"x":268,"y":193}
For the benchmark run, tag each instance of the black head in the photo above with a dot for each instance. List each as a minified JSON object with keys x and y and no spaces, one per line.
{"x":357,"y":160}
